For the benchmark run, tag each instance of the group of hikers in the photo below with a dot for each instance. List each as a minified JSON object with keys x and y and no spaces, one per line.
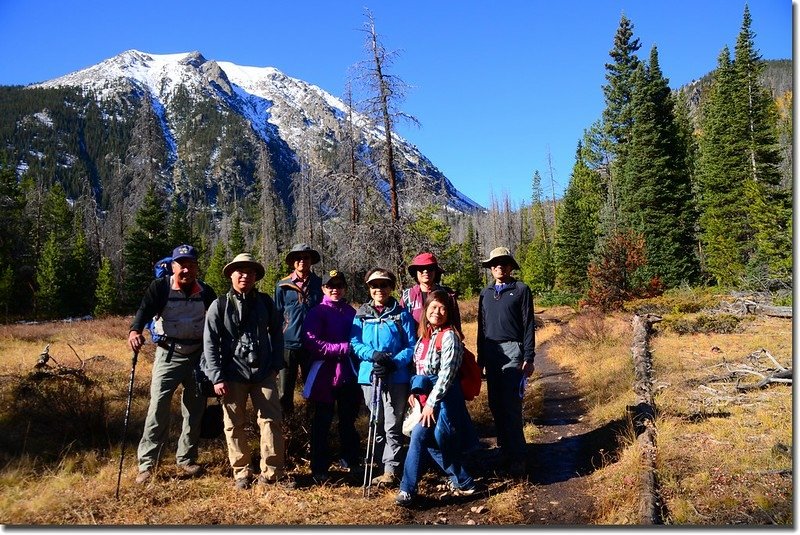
{"x":389,"y":355}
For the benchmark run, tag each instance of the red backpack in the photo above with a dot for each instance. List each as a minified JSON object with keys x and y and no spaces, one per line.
{"x":469,"y":373}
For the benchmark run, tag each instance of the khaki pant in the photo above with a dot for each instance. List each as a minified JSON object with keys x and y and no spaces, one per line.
{"x":266,"y":404}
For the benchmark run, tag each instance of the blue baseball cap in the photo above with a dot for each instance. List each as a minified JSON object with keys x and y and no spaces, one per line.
{"x":184,"y":251}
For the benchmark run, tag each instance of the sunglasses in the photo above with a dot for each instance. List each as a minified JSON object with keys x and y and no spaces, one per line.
{"x":335,"y":286}
{"x":427,"y":268}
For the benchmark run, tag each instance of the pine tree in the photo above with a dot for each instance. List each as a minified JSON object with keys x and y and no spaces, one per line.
{"x":654,"y":185}
{"x":79,"y":273}
{"x":578,"y":228}
{"x":724,"y":228}
{"x":49,"y":279}
{"x":236,"y":243}
{"x":180,"y":228}
{"x":617,"y":115}
{"x":769,"y":205}
{"x":105,"y":296}
{"x":213,"y":275}
{"x":147,"y":242}
{"x":15,"y":250}
{"x":536,"y":256}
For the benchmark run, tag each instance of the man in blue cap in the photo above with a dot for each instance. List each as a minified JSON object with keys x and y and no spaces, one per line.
{"x":178,"y":302}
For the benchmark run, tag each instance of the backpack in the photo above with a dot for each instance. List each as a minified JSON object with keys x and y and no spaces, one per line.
{"x":469,"y":374}
{"x":160,"y":269}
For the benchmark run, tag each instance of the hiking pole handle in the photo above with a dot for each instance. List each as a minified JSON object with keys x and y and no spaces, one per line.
{"x":134,"y":358}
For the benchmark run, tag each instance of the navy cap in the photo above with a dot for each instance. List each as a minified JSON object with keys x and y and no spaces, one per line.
{"x":184,"y":251}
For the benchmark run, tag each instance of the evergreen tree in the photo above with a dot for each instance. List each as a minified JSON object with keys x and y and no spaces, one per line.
{"x":465,"y":278}
{"x":105,"y":297}
{"x":724,"y":228}
{"x":180,"y":228}
{"x":236,"y":243}
{"x":146,"y":243}
{"x":769,"y":205}
{"x":213,"y":276}
{"x":618,"y":115}
{"x":536,"y":256}
{"x":49,"y":279}
{"x":578,"y":225}
{"x":654,"y":185}
{"x":14,"y":247}
{"x":79,"y":277}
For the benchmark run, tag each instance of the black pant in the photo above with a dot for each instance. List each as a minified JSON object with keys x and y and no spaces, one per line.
{"x":347,"y":401}
{"x":288,"y":377}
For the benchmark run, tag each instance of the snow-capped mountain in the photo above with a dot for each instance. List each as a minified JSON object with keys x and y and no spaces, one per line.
{"x":215,"y":115}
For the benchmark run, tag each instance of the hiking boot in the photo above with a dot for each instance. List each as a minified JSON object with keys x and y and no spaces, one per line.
{"x":403,"y":498}
{"x":143,"y":477}
{"x":242,"y":483}
{"x":190,"y":469}
{"x":387,"y":479}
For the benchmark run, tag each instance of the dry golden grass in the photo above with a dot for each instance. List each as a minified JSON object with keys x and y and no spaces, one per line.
{"x":718,"y":454}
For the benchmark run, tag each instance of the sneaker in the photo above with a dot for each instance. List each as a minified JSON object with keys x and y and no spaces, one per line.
{"x":242,"y":483}
{"x":387,"y":479}
{"x":346,"y":466}
{"x":474,"y":488}
{"x":403,"y":498}
{"x":190,"y":469}
{"x":143,"y":477}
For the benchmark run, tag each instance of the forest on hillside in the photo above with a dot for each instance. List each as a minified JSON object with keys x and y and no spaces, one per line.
{"x":665,"y":191}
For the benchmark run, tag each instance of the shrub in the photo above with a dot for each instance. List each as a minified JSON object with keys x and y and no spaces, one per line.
{"x":703,"y":323}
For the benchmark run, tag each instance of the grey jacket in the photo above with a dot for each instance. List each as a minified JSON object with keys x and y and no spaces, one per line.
{"x":225,"y":330}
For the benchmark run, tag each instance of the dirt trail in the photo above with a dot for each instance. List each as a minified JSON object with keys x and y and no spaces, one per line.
{"x":565,"y":451}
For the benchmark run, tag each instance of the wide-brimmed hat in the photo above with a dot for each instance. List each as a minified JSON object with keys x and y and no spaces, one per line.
{"x":302,"y":248}
{"x":244,"y":259}
{"x":500,"y":253}
{"x":424,"y":259}
{"x":334,"y":275}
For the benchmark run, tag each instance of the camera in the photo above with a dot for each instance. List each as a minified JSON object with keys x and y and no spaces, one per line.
{"x":247,"y":351}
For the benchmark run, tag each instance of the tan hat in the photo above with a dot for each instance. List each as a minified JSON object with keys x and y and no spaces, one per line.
{"x":244,"y":259}
{"x":500,"y":253}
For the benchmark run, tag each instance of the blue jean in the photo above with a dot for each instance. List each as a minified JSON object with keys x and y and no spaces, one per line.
{"x":423,"y":447}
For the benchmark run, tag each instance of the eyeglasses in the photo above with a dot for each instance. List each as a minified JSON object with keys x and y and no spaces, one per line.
{"x":335,"y":286}
{"x":380,"y":286}
{"x":302,"y":257}
{"x":426,"y":268}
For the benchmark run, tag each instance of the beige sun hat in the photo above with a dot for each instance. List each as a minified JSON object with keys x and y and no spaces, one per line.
{"x":244,"y":259}
{"x":500,"y":253}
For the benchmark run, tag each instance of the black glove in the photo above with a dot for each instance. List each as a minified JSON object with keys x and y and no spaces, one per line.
{"x":381,"y":357}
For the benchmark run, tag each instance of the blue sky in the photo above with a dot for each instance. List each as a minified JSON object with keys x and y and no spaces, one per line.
{"x":496,"y":86}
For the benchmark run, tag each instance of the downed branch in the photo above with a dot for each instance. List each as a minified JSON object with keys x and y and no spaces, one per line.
{"x":44,"y":370}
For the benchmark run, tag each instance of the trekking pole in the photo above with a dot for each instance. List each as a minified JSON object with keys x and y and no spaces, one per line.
{"x":372,"y":436}
{"x":127,"y":417}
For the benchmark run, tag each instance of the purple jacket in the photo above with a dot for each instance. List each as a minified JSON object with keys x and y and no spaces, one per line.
{"x":326,"y":337}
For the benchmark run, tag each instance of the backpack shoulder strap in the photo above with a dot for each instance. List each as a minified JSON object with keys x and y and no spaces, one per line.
{"x":437,"y":343}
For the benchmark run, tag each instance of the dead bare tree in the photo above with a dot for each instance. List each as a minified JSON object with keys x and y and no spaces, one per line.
{"x":384,"y":94}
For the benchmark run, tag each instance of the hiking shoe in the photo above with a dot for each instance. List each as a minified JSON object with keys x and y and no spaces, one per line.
{"x":387,"y":479}
{"x":143,"y":477}
{"x":474,"y":488}
{"x":190,"y":469}
{"x":403,"y":498}
{"x":242,"y":483}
